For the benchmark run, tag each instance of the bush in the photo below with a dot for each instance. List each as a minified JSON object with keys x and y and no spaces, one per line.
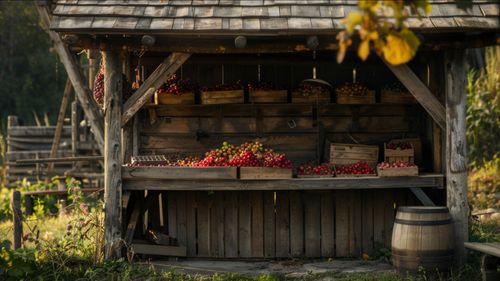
{"x":483,"y":185}
{"x":483,"y":110}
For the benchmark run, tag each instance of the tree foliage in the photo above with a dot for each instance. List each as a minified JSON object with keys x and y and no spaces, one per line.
{"x":31,"y":77}
{"x":381,"y":26}
{"x":483,"y":110}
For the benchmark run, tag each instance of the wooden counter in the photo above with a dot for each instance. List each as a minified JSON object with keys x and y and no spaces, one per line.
{"x":146,"y":178}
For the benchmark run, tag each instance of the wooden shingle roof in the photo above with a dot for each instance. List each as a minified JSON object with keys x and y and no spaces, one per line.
{"x":247,"y":16}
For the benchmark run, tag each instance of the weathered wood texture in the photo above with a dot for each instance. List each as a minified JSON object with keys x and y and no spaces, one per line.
{"x":112,"y":154}
{"x":456,"y":161}
{"x":282,"y":224}
{"x":17,"y":219}
{"x":77,"y":78}
{"x":144,"y":94}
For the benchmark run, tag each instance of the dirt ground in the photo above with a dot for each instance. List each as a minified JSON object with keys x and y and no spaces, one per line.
{"x":287,"y":269}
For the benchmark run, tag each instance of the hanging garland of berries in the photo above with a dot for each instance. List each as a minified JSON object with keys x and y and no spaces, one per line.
{"x":99,"y":87}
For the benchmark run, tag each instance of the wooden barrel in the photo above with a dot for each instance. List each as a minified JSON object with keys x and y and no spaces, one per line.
{"x":422,"y":238}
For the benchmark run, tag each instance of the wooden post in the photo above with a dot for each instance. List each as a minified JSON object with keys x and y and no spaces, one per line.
{"x":93,"y":56}
{"x":74,"y":128}
{"x":456,"y":161}
{"x":60,"y":123}
{"x":17,"y":219}
{"x":112,"y":153}
{"x":12,"y":121}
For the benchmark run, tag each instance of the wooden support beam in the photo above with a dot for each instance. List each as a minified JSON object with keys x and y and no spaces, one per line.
{"x":168,"y":67}
{"x":60,"y":123}
{"x":77,"y":78}
{"x":456,"y":160}
{"x":420,"y":91}
{"x":421,"y":196}
{"x":112,"y":154}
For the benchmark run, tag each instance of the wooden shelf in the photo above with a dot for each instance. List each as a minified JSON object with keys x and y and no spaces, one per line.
{"x":263,"y":105}
{"x":132,"y":181}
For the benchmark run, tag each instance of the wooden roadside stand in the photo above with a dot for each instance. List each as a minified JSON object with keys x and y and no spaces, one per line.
{"x":209,"y":212}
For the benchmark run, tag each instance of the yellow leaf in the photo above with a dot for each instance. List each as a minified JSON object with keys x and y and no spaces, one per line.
{"x":352,"y":20}
{"x":400,"y":47}
{"x":364,"y":49}
{"x":428,"y":8}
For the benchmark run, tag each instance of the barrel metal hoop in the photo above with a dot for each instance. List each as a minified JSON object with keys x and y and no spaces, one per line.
{"x":413,"y":222}
{"x":421,"y":210}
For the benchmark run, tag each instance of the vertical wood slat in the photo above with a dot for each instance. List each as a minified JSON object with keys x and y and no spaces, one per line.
{"x":357,"y":222}
{"x":202,"y":224}
{"x":327,"y":225}
{"x":231,"y":224}
{"x":244,"y":224}
{"x":344,"y":234}
{"x":367,"y":221}
{"x":172,"y":199}
{"x":180,"y":198}
{"x":296,"y":224}
{"x":257,"y":224}
{"x":312,"y":224}
{"x":383,"y":213}
{"x":154,"y":213}
{"x":216,"y":204}
{"x":282,"y":224}
{"x":191,"y":224}
{"x":269,"y":224}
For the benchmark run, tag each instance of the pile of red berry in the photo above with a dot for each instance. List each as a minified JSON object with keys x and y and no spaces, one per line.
{"x":359,"y":168}
{"x":399,"y":145}
{"x":265,"y":86}
{"x":397,"y":164}
{"x":248,"y":154}
{"x":308,"y":169}
{"x":352,"y":89}
{"x":222,"y":87}
{"x":307,"y":89}
{"x":176,"y":86}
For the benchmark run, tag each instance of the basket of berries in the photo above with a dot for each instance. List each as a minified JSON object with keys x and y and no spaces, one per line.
{"x":312,"y":91}
{"x":397,"y":169}
{"x":399,"y":150}
{"x":396,"y":93}
{"x":265,"y":92}
{"x":222,"y":94}
{"x":358,"y":169}
{"x":354,"y":93}
{"x":324,"y":170}
{"x":176,"y":91}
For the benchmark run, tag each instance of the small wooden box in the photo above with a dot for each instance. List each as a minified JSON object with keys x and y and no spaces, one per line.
{"x":388,"y":96}
{"x":183,"y":98}
{"x":342,"y":154}
{"x":298,"y":97}
{"x":369,"y":98}
{"x":264,"y":173}
{"x":222,"y":97}
{"x":393,"y":155}
{"x":268,"y":96}
{"x":398,"y":172}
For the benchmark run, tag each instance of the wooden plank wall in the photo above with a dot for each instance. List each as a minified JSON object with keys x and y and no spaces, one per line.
{"x":282,"y":224}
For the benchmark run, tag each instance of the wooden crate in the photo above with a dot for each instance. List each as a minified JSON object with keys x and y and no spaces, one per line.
{"x":393,"y":155}
{"x":342,"y":154}
{"x":222,"y":97}
{"x":183,"y":98}
{"x":261,"y":173}
{"x":398,"y":172}
{"x":314,"y":176}
{"x":298,"y":97}
{"x":416,"y":143}
{"x":184,"y":173}
{"x":369,"y":98}
{"x":388,"y":96}
{"x":268,"y":96}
